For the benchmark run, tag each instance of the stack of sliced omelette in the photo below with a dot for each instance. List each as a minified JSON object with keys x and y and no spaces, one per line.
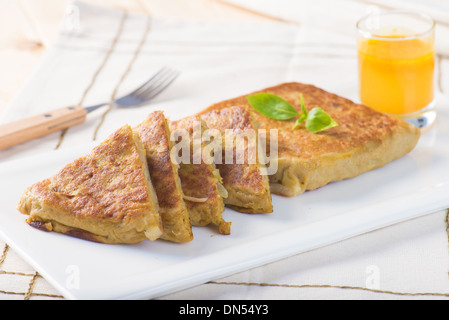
{"x":130,"y":188}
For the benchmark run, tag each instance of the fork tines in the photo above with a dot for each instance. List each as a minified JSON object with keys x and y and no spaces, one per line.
{"x":158,"y":83}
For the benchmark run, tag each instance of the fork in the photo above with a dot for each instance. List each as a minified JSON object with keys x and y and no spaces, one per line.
{"x":25,"y":130}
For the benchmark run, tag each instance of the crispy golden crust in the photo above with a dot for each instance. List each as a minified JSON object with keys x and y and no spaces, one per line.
{"x":248,"y":187}
{"x":105,"y":197}
{"x":155,"y":135}
{"x":364,"y":139}
{"x":201,"y":182}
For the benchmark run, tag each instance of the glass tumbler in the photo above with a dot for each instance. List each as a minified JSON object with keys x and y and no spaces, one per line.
{"x":396,"y":55}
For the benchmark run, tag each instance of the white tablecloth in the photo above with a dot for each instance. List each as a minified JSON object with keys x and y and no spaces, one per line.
{"x":108,"y":52}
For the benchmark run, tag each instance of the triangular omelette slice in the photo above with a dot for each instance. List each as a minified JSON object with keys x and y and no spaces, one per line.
{"x":246,"y":181}
{"x":201,"y":181}
{"x":106,"y":196}
{"x":155,"y":135}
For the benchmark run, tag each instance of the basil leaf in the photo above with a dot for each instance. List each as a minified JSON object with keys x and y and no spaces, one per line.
{"x":318,"y":120}
{"x":272,"y":106}
{"x":303,"y":106}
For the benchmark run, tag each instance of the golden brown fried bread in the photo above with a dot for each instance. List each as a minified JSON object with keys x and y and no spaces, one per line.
{"x":104,"y":197}
{"x":246,"y":181}
{"x":155,"y":135}
{"x":363,"y":141}
{"x":201,"y":181}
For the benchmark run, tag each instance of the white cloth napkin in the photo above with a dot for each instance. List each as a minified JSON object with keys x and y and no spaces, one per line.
{"x":109,"y":51}
{"x":340,"y":17}
{"x":216,"y":60}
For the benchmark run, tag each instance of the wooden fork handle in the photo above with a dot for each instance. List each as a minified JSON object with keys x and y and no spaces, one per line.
{"x":25,"y":130}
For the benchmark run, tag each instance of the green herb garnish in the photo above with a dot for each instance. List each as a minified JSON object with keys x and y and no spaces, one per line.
{"x":318,"y":120}
{"x":274,"y":107}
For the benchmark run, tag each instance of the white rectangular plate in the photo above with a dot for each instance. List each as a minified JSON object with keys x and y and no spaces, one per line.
{"x":413,"y":186}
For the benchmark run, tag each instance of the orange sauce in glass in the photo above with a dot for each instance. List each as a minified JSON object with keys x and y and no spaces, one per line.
{"x":396,"y":76}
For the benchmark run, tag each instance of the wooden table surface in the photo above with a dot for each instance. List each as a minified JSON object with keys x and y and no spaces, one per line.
{"x":29,"y":28}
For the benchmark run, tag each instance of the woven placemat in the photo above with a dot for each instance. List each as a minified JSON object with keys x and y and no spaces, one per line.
{"x":19,"y":281}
